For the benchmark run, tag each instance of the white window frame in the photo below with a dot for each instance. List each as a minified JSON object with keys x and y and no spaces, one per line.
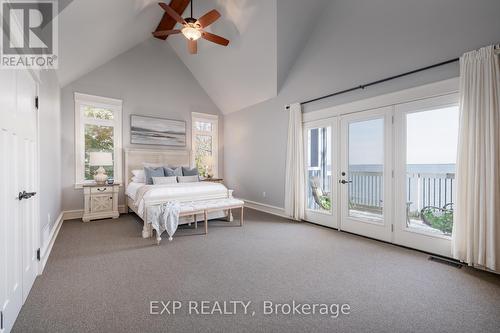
{"x":102,"y":102}
{"x":214,"y":120}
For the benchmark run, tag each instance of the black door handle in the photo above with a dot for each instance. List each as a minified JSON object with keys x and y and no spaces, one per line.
{"x":25,"y":195}
{"x":343,"y":181}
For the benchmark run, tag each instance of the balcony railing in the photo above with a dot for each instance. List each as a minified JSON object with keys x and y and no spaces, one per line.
{"x":366,"y":190}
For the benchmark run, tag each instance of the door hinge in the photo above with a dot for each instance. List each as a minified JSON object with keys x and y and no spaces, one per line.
{"x":1,"y":320}
{"x":36,"y":102}
{"x":392,"y":227}
{"x":38,"y":254}
{"x":392,"y":119}
{"x":392,"y":173}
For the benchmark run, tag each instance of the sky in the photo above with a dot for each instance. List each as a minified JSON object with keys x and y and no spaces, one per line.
{"x":431,"y":138}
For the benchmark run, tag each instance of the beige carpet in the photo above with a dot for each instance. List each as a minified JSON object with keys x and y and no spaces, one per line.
{"x":101,"y":277}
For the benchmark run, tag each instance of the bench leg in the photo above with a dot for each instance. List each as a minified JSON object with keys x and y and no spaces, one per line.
{"x":195,"y":222}
{"x":230,"y":215}
{"x":206,"y":222}
{"x":241,"y":217}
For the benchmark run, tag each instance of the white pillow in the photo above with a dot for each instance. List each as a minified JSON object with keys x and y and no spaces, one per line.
{"x":164,"y":180}
{"x":188,"y":179}
{"x":138,"y":179}
{"x":139,"y":173}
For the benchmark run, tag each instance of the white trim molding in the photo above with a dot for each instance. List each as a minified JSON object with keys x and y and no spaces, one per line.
{"x":47,"y":249}
{"x":278,"y":211}
{"x":112,"y":104}
{"x":78,"y":213}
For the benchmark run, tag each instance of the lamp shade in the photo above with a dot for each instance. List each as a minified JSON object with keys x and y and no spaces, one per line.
{"x":101,"y":159}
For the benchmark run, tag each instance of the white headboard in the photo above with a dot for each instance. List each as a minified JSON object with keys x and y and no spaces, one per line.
{"x":134,"y":159}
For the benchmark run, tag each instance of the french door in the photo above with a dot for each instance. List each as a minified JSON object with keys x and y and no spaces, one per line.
{"x":321,"y":172}
{"x":365,"y":175}
{"x":19,"y":230}
{"x":386,"y":173}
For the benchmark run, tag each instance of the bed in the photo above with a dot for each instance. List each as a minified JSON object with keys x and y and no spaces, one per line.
{"x":140,"y":196}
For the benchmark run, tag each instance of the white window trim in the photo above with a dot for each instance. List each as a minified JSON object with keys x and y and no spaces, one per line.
{"x":104,"y":102}
{"x":214,"y":119}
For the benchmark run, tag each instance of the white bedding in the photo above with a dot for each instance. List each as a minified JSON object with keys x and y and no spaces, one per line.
{"x":143,"y":194}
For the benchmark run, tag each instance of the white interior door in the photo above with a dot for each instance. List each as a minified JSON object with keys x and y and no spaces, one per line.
{"x":426,"y":150}
{"x":366,"y":173}
{"x":19,"y":236}
{"x":321,"y":168}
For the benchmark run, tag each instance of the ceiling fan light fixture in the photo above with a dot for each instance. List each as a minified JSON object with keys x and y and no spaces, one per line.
{"x":191,"y":32}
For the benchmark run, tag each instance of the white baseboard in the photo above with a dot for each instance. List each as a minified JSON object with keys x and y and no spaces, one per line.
{"x":45,"y":252}
{"x":78,"y":213}
{"x":278,"y":211}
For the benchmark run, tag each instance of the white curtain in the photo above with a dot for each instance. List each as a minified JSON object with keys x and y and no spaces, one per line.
{"x":476,"y":229}
{"x":295,"y":179}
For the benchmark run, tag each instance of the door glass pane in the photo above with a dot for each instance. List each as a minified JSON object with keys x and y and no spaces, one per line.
{"x":98,"y":138}
{"x":366,"y":167}
{"x":319,"y":169}
{"x":431,"y":152}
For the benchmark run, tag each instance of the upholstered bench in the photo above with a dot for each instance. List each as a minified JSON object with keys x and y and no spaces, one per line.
{"x":204,"y":207}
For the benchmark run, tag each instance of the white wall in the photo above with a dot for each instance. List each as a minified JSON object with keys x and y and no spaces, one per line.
{"x":151,"y":80}
{"x":356,"y":41}
{"x":50,"y":153}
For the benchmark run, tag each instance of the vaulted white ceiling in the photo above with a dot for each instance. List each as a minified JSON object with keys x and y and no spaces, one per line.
{"x":266,"y":37}
{"x":92,"y":32}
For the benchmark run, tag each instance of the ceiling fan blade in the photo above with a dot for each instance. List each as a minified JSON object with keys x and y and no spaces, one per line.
{"x":192,"y":46}
{"x":209,"y":18}
{"x":167,"y":22}
{"x":165,"y":33}
{"x":172,"y":13}
{"x":215,"y":38}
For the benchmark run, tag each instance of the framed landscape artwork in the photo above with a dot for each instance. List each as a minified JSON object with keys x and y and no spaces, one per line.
{"x":157,"y":131}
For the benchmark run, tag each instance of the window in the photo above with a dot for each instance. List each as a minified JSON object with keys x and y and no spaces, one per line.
{"x":98,"y":124}
{"x":204,"y":141}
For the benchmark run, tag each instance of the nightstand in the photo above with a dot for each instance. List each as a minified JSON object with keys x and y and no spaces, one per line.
{"x":213,"y":180}
{"x":101,"y":202}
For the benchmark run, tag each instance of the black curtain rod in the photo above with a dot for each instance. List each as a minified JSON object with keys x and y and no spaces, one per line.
{"x":363,"y":86}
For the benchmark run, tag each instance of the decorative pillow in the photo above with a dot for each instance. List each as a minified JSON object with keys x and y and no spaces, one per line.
{"x":188,"y":179}
{"x":139,"y":179}
{"x":138,"y":173}
{"x":164,"y":180}
{"x":151,"y":172}
{"x":190,"y":172}
{"x":173,"y":171}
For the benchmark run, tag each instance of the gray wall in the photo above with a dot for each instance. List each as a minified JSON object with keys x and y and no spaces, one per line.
{"x":356,"y":42}
{"x":151,"y":80}
{"x":50,"y":152}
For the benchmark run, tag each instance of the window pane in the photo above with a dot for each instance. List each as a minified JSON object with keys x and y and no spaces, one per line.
{"x":319,"y":169}
{"x":203,"y":150}
{"x":203,"y":126}
{"x":98,"y":138}
{"x":97,"y":113}
{"x":431,"y":152}
{"x":366,"y":167}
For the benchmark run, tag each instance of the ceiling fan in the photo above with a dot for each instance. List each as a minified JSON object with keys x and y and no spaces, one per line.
{"x":193,"y":29}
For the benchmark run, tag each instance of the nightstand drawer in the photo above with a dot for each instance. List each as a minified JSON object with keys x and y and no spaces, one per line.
{"x":101,"y":189}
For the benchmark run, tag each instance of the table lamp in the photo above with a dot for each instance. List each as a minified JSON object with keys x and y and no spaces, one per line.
{"x":101,"y":159}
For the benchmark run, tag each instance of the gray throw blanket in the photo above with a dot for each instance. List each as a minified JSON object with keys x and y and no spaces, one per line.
{"x":164,"y":217}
